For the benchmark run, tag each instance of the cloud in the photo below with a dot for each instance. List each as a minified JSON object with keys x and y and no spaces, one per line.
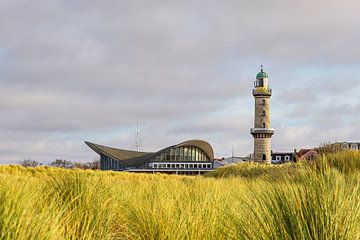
{"x":87,"y":70}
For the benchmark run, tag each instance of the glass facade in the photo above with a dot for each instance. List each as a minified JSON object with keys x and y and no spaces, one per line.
{"x":183,"y":154}
{"x":107,"y":163}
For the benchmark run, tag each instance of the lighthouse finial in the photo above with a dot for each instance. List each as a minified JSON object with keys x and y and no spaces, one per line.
{"x":262,"y":68}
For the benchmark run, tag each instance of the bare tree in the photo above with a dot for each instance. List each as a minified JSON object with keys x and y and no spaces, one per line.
{"x":62,"y":163}
{"x":89,"y":165}
{"x":328,"y":147}
{"x":95,"y":164}
{"x":29,"y":163}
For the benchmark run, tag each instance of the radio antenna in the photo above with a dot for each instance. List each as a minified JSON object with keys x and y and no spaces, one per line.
{"x":137,"y":138}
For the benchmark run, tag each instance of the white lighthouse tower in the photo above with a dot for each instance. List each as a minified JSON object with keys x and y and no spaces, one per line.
{"x":262,"y":132}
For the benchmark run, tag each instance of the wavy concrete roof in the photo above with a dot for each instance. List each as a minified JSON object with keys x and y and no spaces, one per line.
{"x":133,"y":158}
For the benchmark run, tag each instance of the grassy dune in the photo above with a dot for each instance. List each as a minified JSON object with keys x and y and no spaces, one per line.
{"x":319,"y":200}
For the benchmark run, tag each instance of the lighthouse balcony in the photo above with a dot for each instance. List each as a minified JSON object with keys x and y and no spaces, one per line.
{"x":262,"y":130}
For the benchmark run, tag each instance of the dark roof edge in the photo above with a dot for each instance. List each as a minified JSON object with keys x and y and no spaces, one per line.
{"x":130,"y":151}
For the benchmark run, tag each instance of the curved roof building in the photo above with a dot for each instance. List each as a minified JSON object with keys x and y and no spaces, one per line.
{"x":193,"y":156}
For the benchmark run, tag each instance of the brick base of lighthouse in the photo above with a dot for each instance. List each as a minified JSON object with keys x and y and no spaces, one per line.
{"x":262,"y":150}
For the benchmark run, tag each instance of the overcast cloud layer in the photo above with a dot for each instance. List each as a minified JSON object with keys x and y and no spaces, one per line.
{"x":87,"y":70}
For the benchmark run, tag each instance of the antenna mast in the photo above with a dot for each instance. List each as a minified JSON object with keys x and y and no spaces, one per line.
{"x":137,"y":141}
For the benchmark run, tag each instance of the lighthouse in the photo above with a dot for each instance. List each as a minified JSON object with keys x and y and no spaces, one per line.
{"x":262,"y":132}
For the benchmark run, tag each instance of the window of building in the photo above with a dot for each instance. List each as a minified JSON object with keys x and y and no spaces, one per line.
{"x":172,"y":154}
{"x":181,"y":154}
{"x":264,"y":157}
{"x":287,"y":158}
{"x":177,"y":154}
{"x":259,"y":83}
{"x":278,"y":158}
{"x":186,"y":154}
{"x":264,"y":125}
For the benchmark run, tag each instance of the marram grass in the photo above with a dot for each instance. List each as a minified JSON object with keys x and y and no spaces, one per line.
{"x":316,"y":200}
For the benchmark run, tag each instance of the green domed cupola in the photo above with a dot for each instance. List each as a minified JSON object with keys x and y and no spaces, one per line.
{"x":262,"y":74}
{"x":261,"y":83}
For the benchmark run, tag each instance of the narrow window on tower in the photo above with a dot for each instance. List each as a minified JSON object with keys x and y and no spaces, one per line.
{"x":263,"y":114}
{"x":264,"y":157}
{"x":263,"y":101}
{"x":263,"y":125}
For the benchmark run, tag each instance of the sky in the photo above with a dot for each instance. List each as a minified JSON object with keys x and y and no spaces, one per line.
{"x":75,"y":71}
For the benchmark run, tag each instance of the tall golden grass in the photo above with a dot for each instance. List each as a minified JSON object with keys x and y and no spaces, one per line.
{"x":315,"y":200}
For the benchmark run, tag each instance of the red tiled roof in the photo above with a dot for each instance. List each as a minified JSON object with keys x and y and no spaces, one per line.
{"x":302,"y":152}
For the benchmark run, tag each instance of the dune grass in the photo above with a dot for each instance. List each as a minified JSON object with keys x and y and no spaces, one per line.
{"x":315,"y":200}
